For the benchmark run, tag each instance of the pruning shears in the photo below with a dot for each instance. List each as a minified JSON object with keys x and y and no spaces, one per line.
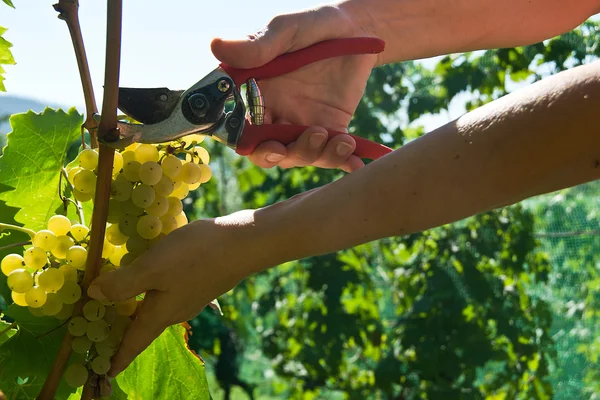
{"x":166,"y":115}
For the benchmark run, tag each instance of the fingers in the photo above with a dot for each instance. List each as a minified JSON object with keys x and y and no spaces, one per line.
{"x":148,"y":324}
{"x":307,"y":149}
{"x":268,"y":154}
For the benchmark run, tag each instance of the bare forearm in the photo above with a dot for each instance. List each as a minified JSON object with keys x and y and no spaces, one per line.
{"x":540,"y":139}
{"x":416,"y":29}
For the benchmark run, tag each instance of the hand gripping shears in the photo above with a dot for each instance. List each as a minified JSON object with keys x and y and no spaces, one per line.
{"x":166,"y":115}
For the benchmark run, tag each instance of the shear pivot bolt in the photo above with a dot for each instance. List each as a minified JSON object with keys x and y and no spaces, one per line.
{"x":234,"y":122}
{"x":223,"y":85}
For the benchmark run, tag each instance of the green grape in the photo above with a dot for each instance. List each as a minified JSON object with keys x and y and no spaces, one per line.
{"x":120,"y":325}
{"x":128,"y":225}
{"x":114,"y":235}
{"x":52,"y":305}
{"x":146,"y":152}
{"x":101,"y":365}
{"x":36,"y":312}
{"x":19,"y":280}
{"x":194,"y":139}
{"x":88,"y":159}
{"x":181,"y":192}
{"x":77,"y":256}
{"x":107,"y":249}
{"x":169,"y":224}
{"x":18,"y":299}
{"x":150,"y":173}
{"x":77,"y":326}
{"x":107,"y":268}
{"x":206,"y":173}
{"x":131,"y":209}
{"x":128,"y":155}
{"x":143,"y":195}
{"x":85,"y":181}
{"x":11,"y":262}
{"x":115,"y":212}
{"x":190,"y":173}
{"x":175,"y":206}
{"x":72,"y":172}
{"x":118,"y":253}
{"x":36,"y":297}
{"x":117,"y":163}
{"x":59,"y":224}
{"x":82,"y":197}
{"x":194,"y":186}
{"x":131,"y":171}
{"x":79,"y":232}
{"x":126,"y":308}
{"x":76,"y":375}
{"x":81,"y":344}
{"x":69,"y":272}
{"x":199,"y":152}
{"x":110,"y":314}
{"x":51,"y":280}
{"x":66,"y":312}
{"x":35,"y":257}
{"x":97,"y":331}
{"x":127,"y":259}
{"x":64,"y":243}
{"x":171,"y":166}
{"x":164,"y":187}
{"x":106,"y":349}
{"x":181,"y":219}
{"x":93,"y":310}
{"x":137,"y":244}
{"x":70,"y":292}
{"x":121,"y":188}
{"x":159,"y":207}
{"x":149,"y":227}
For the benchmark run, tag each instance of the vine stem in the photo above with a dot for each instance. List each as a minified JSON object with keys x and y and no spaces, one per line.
{"x":8,"y":328}
{"x":30,"y":232}
{"x":10,"y":246}
{"x":69,"y":12}
{"x":107,"y":125}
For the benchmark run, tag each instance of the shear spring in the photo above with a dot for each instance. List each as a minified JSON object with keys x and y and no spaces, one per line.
{"x":256,"y":104}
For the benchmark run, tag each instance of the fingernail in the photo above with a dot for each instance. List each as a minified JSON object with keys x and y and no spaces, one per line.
{"x":343,"y":149}
{"x":316,"y":140}
{"x":95,"y":293}
{"x":274,"y":157}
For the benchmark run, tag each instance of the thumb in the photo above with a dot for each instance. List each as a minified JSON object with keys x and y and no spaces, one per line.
{"x":121,"y":284}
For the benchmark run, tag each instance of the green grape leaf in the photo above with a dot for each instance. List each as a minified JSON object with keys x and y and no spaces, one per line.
{"x":166,"y":369}
{"x":9,"y":3}
{"x":6,"y":56}
{"x":26,"y":357}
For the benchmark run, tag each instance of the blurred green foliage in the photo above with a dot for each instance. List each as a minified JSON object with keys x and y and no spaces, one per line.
{"x":464,"y":311}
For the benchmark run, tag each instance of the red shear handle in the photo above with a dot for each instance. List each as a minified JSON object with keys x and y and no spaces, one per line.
{"x":285,"y":134}
{"x":320,"y":51}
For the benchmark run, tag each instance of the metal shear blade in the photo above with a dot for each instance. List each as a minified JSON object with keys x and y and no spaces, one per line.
{"x":148,"y":106}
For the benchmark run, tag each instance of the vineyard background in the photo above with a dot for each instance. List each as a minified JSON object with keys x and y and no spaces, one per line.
{"x":504,"y":305}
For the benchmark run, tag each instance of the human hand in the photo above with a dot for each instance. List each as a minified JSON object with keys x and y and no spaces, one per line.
{"x":322,"y":95}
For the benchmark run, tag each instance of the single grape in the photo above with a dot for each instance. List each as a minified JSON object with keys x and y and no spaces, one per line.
{"x":115,"y":212}
{"x":93,"y":310}
{"x":121,"y":188}
{"x":181,"y":219}
{"x":88,"y":159}
{"x":200,"y":153}
{"x":36,"y":312}
{"x":52,"y":306}
{"x":120,"y":325}
{"x":131,"y":209}
{"x":164,"y":187}
{"x":85,"y":181}
{"x":131,"y":171}
{"x":175,"y":206}
{"x":59,"y":224}
{"x":149,"y":226}
{"x":169,"y":224}
{"x":69,"y":272}
{"x":110,"y":314}
{"x":126,"y":308}
{"x":36,"y":297}
{"x":65,"y":312}
{"x":137,"y":245}
{"x":77,"y":326}
{"x":194,"y":186}
{"x":35,"y":257}
{"x":64,"y":243}
{"x":79,"y":232}
{"x":181,"y":192}
{"x":11,"y":262}
{"x":107,"y":249}
{"x":105,"y":348}
{"x":150,"y":173}
{"x":194,"y":139}
{"x":206,"y":173}
{"x":117,"y":163}
{"x":19,"y":280}
{"x":107,"y":268}
{"x":115,"y":236}
{"x":190,"y":173}
{"x":146,"y":152}
{"x":77,"y":256}
{"x":72,"y":172}
{"x":118,"y":253}
{"x":18,"y":299}
{"x":159,"y":207}
{"x":97,"y":331}
{"x":51,"y":280}
{"x":128,"y":225}
{"x":76,"y":375}
{"x":101,"y":365}
{"x":171,"y":166}
{"x":82,"y":197}
{"x":128,"y":155}
{"x":70,"y":292}
{"x":143,"y":195}
{"x":81,"y":344}
{"x":127,"y":259}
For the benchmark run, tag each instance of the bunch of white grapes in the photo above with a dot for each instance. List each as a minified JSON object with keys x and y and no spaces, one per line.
{"x":148,"y":186}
